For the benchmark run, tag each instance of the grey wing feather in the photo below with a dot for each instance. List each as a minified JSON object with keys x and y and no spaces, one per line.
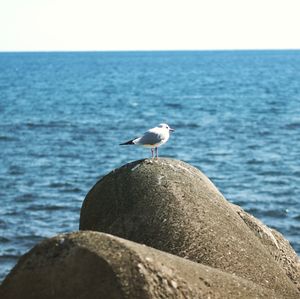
{"x":150,"y":138}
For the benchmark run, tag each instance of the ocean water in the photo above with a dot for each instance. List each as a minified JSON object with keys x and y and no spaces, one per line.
{"x":62,"y":116}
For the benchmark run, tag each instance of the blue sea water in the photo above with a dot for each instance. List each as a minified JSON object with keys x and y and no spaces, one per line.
{"x":62,"y":116}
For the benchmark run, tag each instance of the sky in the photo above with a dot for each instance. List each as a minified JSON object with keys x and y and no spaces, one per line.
{"x":103,"y":25}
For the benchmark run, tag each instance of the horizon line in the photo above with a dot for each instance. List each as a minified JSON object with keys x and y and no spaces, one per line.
{"x":145,"y":51}
{"x":153,"y":50}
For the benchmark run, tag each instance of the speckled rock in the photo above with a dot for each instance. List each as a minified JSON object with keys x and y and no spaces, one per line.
{"x":96,"y":265}
{"x":172,"y":206}
{"x":279,"y":248}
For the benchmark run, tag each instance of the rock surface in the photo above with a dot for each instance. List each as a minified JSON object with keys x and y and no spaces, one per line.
{"x":279,"y":248}
{"x":172,"y":206}
{"x":96,"y":265}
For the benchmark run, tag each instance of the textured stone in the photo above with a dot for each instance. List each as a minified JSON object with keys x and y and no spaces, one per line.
{"x":279,"y":248}
{"x":96,"y":265}
{"x":172,"y":206}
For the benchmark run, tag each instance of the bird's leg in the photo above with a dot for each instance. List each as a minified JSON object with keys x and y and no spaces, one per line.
{"x":156,"y":150}
{"x":152,"y":152}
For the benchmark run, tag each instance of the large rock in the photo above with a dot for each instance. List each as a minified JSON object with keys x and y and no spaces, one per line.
{"x":172,"y":206}
{"x":96,"y":265}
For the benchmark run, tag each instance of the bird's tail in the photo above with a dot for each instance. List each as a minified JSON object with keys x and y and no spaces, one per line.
{"x":128,"y":142}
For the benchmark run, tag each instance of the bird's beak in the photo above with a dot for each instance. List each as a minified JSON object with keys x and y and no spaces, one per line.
{"x":172,"y":130}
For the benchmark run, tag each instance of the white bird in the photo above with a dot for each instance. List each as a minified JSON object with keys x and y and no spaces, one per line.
{"x":153,"y":138}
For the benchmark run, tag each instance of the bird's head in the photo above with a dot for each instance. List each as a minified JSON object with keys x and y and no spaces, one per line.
{"x":167,"y":127}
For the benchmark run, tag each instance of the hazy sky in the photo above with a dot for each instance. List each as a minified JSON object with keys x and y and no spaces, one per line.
{"x":149,"y":24}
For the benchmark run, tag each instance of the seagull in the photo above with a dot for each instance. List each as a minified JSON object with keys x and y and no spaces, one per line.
{"x":153,"y":138}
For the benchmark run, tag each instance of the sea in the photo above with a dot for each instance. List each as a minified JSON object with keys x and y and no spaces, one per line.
{"x":63,"y":115}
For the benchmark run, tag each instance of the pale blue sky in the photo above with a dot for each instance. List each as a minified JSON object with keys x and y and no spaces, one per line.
{"x":33,"y":25}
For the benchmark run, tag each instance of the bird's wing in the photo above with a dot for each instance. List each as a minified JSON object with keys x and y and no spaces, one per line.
{"x":150,"y":138}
